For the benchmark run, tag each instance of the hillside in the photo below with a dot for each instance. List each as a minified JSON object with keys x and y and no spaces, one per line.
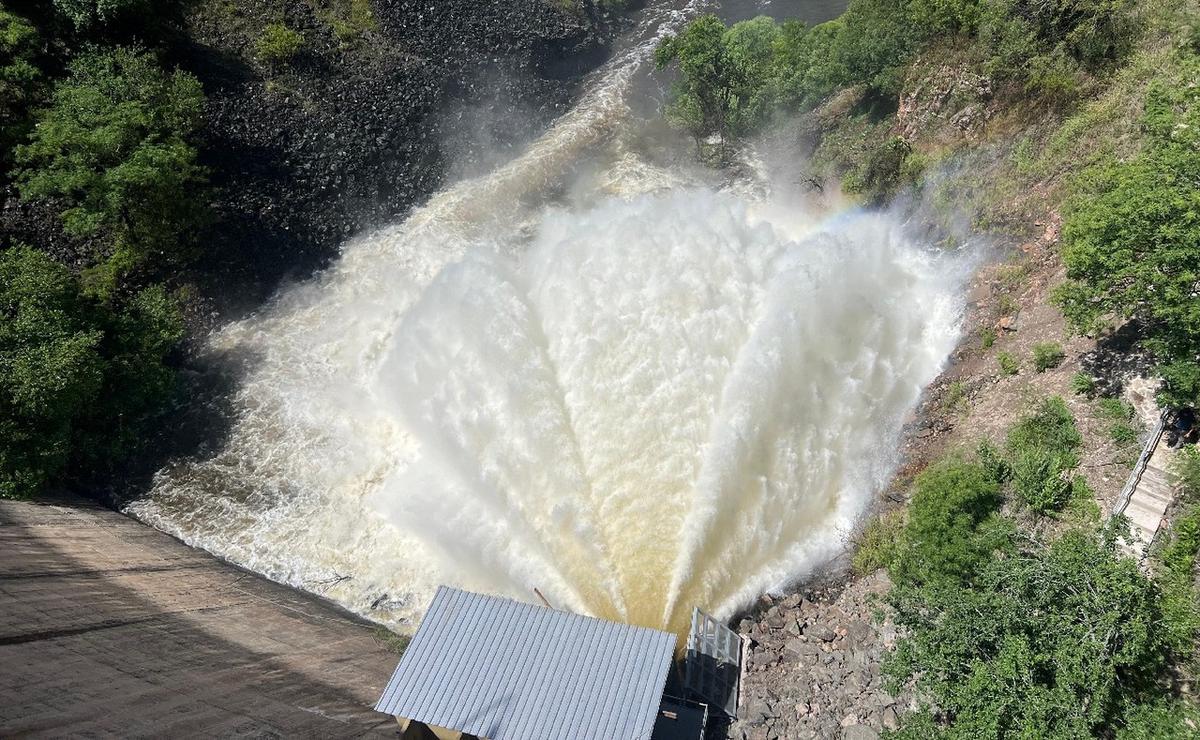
{"x":1052,"y":143}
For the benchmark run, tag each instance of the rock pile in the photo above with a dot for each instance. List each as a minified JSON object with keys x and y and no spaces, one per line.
{"x":813,"y":669}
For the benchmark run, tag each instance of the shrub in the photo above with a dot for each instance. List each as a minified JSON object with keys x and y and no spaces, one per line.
{"x":1119,"y":414}
{"x":1042,"y":449}
{"x":877,"y":545}
{"x":1166,"y":719}
{"x":77,"y":377}
{"x":1016,"y":654}
{"x":953,"y":526}
{"x":1083,"y":384}
{"x":987,"y":338}
{"x":1047,"y":355}
{"x":1114,"y":409}
{"x":1008,"y":363}
{"x":113,"y":147}
{"x":278,"y":44}
{"x":1039,"y":478}
{"x":1186,"y":471}
{"x":1123,"y":433}
{"x":993,"y":462}
{"x":1178,"y":565}
{"x":1051,"y":428}
{"x":1132,"y":242}
{"x":883,"y":172}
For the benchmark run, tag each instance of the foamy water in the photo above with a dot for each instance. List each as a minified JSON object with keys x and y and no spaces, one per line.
{"x":647,"y":397}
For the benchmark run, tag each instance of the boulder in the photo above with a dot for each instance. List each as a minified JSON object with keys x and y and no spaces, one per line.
{"x":820,"y":632}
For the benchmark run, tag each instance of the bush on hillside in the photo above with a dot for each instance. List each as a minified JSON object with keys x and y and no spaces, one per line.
{"x":1083,"y":384}
{"x":1041,"y":451}
{"x":1131,"y":236}
{"x":953,"y":525}
{"x":77,"y":377}
{"x":278,"y":44}
{"x":1008,"y":363}
{"x":1062,"y":642}
{"x":1047,"y":355}
{"x":114,"y":148}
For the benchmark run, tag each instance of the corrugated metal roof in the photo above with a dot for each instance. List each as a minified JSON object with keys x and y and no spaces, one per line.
{"x":506,"y":670}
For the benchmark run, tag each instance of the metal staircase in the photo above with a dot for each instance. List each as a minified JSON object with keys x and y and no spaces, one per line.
{"x":1147,"y":495}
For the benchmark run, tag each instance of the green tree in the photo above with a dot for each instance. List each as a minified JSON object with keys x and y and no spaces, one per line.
{"x":878,"y":38}
{"x":1131,"y":238}
{"x":78,"y":377}
{"x":85,"y":14}
{"x":20,"y":78}
{"x":721,"y":73}
{"x":50,"y":368}
{"x":115,"y":148}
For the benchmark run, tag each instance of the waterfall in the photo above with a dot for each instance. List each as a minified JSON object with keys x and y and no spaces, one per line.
{"x":644,"y":395}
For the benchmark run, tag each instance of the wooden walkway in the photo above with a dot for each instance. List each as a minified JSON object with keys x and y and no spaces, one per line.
{"x":109,"y":628}
{"x":1147,"y":495}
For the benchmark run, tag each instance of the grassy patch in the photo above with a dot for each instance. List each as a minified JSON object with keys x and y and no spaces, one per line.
{"x":390,"y":641}
{"x":277,"y":44}
{"x":1009,"y":365}
{"x":1047,"y":355}
{"x":987,"y":338}
{"x":877,"y":543}
{"x":1083,"y":384}
{"x":1119,"y":415}
{"x":955,"y":399}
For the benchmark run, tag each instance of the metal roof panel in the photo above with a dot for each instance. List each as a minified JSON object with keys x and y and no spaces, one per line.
{"x":507,"y":670}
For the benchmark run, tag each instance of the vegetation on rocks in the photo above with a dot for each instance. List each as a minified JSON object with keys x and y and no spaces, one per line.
{"x":113,"y":148}
{"x":1007,"y":636}
{"x":102,"y":136}
{"x":1132,"y":239}
{"x":78,"y":376}
{"x":129,"y":191}
{"x":278,"y":44}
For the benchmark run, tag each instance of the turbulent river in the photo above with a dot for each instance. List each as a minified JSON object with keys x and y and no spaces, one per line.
{"x":597,"y":371}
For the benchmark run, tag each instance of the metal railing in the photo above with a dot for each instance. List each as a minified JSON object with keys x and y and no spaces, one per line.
{"x":1139,"y":468}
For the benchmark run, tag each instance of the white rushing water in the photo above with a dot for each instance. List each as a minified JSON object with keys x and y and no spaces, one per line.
{"x":645,"y":396}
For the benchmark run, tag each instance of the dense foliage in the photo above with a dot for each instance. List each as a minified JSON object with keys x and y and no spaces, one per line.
{"x":1132,"y":240}
{"x":1056,"y":642}
{"x":77,"y":377}
{"x":104,"y":137}
{"x":20,"y":78}
{"x":87,"y":14}
{"x":1008,"y":637}
{"x":731,"y":80}
{"x":953,"y":525}
{"x":114,"y":147}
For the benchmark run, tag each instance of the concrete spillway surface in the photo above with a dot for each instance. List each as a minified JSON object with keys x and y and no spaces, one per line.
{"x":110,"y":628}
